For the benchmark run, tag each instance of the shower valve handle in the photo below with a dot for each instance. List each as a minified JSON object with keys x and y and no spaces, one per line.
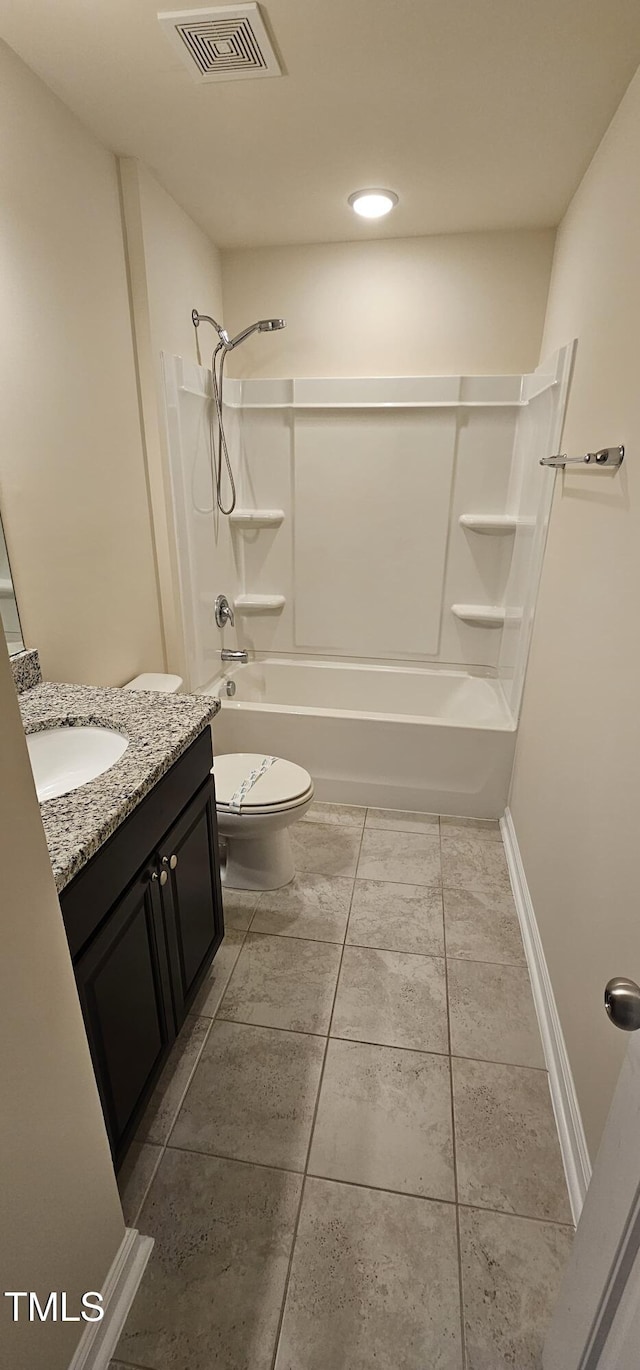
{"x":223,"y":612}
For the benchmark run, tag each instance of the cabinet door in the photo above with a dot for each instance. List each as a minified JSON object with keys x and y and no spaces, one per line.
{"x":192,"y":898}
{"x":124,"y":989}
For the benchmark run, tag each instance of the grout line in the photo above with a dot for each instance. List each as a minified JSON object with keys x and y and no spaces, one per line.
{"x":463,"y":1343}
{"x":360,"y":1184}
{"x":381,"y":1188}
{"x":163,"y":1145}
{"x":434,"y":1198}
{"x":384,"y":1046}
{"x":500,"y":965}
{"x":272,"y":1027}
{"x":377,"y":1188}
{"x":172,"y":1123}
{"x":401,"y":951}
{"x":298,"y":937}
{"x":129,"y":1364}
{"x":285,"y":1292}
{"x":237,"y":1160}
{"x":482,"y":961}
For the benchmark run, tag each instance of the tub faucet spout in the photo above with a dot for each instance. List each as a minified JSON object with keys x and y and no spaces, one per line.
{"x":241,"y":656}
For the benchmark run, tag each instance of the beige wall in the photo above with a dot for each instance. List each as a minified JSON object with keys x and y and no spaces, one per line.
{"x":462,"y":304}
{"x":173,"y":268}
{"x":61,"y":1217}
{"x":72,"y":476}
{"x":576,"y":789}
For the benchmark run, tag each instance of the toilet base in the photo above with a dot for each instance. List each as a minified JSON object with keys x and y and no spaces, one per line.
{"x":258,"y":863}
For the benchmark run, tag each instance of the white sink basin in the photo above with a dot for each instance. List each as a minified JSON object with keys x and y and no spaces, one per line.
{"x":63,"y":759}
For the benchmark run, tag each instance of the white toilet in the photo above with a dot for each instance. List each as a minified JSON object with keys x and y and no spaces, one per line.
{"x":156,"y":680}
{"x":258,"y":797}
{"x":257,"y":800}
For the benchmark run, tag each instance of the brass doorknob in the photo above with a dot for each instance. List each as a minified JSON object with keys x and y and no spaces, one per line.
{"x":622,"y":1002}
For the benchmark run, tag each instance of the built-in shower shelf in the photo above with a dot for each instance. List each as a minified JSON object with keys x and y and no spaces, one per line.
{"x":259,"y":604}
{"x":257,"y":518}
{"x":481,"y":615}
{"x":489,"y":523}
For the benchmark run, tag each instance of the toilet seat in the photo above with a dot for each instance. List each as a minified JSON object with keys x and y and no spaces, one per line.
{"x":284,"y":786}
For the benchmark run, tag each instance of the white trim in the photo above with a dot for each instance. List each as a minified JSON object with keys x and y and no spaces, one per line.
{"x":99,"y":1339}
{"x":573,"y":1145}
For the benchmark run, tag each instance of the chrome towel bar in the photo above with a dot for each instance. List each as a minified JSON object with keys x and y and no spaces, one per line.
{"x":607,"y":456}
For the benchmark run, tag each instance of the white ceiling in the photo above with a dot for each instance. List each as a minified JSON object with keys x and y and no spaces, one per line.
{"x":480,"y":115}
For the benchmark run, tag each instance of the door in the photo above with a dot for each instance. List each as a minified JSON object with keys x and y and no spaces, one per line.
{"x":596,"y":1323}
{"x":123,"y":985}
{"x":191,"y":896}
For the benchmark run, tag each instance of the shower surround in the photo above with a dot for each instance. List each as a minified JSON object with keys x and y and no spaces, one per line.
{"x":383,"y":560}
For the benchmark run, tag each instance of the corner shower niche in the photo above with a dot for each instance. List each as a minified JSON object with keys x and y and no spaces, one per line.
{"x":383,"y":520}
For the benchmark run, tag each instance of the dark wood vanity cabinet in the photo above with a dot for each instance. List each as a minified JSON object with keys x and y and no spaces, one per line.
{"x":144,"y":921}
{"x":191,"y":898}
{"x":123,"y":984}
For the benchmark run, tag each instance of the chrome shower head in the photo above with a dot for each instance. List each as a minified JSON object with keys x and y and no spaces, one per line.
{"x":262,"y":326}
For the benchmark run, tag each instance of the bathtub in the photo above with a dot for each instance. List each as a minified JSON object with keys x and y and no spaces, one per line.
{"x":402,"y":737}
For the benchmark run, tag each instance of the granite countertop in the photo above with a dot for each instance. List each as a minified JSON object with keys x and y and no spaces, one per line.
{"x":159,"y":727}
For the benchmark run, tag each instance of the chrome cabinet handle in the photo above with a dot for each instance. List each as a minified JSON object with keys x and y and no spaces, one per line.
{"x":162,"y":877}
{"x":622,"y":1002}
{"x":170,"y":861}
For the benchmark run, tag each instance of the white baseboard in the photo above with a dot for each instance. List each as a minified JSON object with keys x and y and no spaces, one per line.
{"x":573,"y":1143}
{"x":99,"y":1339}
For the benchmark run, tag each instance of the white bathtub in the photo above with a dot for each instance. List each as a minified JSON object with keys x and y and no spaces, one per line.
{"x":405,"y":737}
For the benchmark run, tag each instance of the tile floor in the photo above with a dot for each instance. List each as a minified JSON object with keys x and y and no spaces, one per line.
{"x":350,"y":1159}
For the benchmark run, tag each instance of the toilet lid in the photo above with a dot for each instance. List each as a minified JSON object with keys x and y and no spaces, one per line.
{"x":281,"y":784}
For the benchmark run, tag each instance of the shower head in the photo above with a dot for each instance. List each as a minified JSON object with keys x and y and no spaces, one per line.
{"x":262,"y":326}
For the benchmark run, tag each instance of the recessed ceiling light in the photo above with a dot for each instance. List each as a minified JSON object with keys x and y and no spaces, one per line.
{"x":373,"y":204}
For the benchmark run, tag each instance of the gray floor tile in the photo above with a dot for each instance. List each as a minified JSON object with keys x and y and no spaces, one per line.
{"x":283,"y":982}
{"x":340,"y":815}
{"x":239,"y":907}
{"x":483,"y":927}
{"x":135,"y":1176}
{"x":325,"y":849}
{"x":374,"y":1281}
{"x":163,"y":1106}
{"x":511,"y":1272}
{"x":472,"y":863}
{"x":406,"y":857}
{"x":212,"y":1292}
{"x":314,"y":906}
{"x":211,"y":991}
{"x":403,"y":820}
{"x":487,"y":828}
{"x":397,"y":917}
{"x":492,"y":1015}
{"x":253,"y":1096}
{"x":384,"y":1119}
{"x":393,"y":999}
{"x":508,"y":1155}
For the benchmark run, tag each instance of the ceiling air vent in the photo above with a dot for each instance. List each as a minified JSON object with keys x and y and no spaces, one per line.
{"x":228,"y":43}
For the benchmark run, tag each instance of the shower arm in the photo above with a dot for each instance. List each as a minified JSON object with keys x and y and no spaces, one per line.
{"x":197,"y":319}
